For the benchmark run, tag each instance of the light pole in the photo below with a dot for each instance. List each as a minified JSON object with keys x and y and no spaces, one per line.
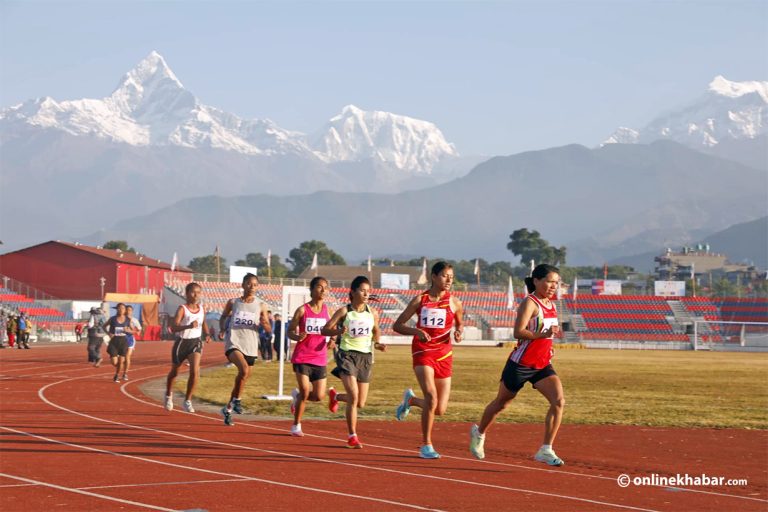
{"x":102,"y":282}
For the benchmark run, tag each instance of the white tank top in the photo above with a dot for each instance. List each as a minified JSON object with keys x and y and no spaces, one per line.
{"x":188,"y":318}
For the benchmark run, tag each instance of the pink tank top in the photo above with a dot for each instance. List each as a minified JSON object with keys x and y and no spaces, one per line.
{"x":312,"y":350}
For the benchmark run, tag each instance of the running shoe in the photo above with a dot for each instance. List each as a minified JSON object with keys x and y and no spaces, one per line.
{"x":116,"y":378}
{"x":125,"y":376}
{"x":237,"y":406}
{"x":405,"y":407}
{"x":427,"y":452}
{"x":333,"y":402}
{"x":294,"y":400}
{"x":476,"y":442}
{"x":548,"y":456}
{"x":354,"y":442}
{"x":188,"y":406}
{"x":97,"y":363}
{"x":227,"y":417}
{"x":296,"y":430}
{"x":169,"y":403}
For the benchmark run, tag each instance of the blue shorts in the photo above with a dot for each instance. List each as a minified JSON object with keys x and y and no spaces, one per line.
{"x":130,"y":340}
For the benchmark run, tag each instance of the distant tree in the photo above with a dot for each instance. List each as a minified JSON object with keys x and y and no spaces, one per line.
{"x":301,"y":257}
{"x":724,"y":288}
{"x":119,"y":244}
{"x":258,"y":260}
{"x":207,"y":264}
{"x":530,"y":246}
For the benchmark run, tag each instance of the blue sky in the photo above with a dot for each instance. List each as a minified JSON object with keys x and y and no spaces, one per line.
{"x":497,"y":78}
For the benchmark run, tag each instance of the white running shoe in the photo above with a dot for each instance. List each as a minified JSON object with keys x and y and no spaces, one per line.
{"x":169,"y":403}
{"x":296,"y":430}
{"x":476,"y":442}
{"x":548,"y":457}
{"x":188,"y":406}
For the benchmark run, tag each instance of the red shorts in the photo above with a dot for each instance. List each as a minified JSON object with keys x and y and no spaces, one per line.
{"x":442,"y":363}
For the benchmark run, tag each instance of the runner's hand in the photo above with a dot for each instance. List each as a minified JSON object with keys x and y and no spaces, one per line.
{"x":458,"y":335}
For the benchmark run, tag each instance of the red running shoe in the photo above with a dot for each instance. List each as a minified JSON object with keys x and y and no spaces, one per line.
{"x":354,"y":442}
{"x":333,"y":403}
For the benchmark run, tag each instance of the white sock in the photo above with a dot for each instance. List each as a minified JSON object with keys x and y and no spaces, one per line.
{"x":350,"y":436}
{"x":547,"y":447}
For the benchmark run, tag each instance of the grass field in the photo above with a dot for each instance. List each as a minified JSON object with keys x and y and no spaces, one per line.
{"x":655,"y":388}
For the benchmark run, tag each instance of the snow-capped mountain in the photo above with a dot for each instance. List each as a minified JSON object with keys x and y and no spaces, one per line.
{"x":405,"y":142}
{"x":151,"y":107}
{"x":728,"y":111}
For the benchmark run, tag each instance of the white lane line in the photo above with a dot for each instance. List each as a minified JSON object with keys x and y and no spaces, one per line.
{"x":208,"y":471}
{"x":154,"y":484}
{"x":87,"y":493}
{"x":465,"y":459}
{"x":41,"y":394}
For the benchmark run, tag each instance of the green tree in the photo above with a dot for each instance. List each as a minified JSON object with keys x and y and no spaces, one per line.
{"x":207,"y":264}
{"x":724,"y":288}
{"x":530,"y":246}
{"x":258,"y":260}
{"x":119,"y":244}
{"x":301,"y":257}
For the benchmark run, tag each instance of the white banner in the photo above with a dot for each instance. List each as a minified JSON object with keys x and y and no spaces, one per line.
{"x":669,"y":288}
{"x":396,"y":281}
{"x":606,"y":287}
{"x":236,"y":274}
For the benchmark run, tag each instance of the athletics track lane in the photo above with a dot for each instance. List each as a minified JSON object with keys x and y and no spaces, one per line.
{"x":138,"y":452}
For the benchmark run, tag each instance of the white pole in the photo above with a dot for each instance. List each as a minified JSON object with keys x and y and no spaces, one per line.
{"x":695,"y":334}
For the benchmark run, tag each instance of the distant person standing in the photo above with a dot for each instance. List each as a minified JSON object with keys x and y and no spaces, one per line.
{"x":277,"y":332}
{"x":244,"y":317}
{"x":23,"y":328}
{"x":96,"y":335}
{"x":3,"y":330}
{"x":11,"y":330}
{"x":265,"y":339}
{"x":79,"y":332}
{"x":535,"y":327}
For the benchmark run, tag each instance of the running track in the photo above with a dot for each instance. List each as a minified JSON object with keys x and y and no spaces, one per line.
{"x":74,"y":440}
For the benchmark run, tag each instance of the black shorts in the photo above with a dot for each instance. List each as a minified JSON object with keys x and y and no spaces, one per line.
{"x":185,"y":347}
{"x":353,"y":363}
{"x":312,"y":371}
{"x":515,"y":376}
{"x":118,"y":346}
{"x":251,"y":360}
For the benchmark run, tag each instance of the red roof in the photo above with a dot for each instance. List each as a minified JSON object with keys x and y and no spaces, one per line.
{"x":121,"y":256}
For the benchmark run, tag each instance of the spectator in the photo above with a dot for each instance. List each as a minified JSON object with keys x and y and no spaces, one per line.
{"x":277,"y":330}
{"x":79,"y":332}
{"x":96,"y":335}
{"x":265,"y":339}
{"x":3,"y":330}
{"x":11,"y":331}
{"x":22,"y":331}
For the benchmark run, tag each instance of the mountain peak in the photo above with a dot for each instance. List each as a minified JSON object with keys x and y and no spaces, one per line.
{"x":150,"y":83}
{"x":724,"y":87}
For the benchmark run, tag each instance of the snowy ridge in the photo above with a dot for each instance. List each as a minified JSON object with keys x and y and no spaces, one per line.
{"x":150,"y":106}
{"x":407,"y":143}
{"x":727,"y":111}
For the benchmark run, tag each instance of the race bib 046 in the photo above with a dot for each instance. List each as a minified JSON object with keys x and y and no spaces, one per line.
{"x":315,"y":325}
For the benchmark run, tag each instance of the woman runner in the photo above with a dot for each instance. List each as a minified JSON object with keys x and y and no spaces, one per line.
{"x":310,"y":354}
{"x":437,"y":313}
{"x":535,"y":327}
{"x":245,"y":315}
{"x":358,"y":326}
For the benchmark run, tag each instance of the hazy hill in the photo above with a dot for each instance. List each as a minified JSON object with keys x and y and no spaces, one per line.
{"x":602,"y":203}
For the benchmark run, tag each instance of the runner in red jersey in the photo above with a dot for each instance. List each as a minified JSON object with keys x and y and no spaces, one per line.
{"x":437,"y":313}
{"x":535,"y":327}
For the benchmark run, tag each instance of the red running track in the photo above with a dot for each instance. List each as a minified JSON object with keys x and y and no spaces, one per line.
{"x":74,"y":440}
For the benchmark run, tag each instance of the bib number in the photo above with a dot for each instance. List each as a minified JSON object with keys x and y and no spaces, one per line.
{"x":315,"y":325}
{"x":244,"y":319}
{"x":360,"y":328}
{"x":432,"y":317}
